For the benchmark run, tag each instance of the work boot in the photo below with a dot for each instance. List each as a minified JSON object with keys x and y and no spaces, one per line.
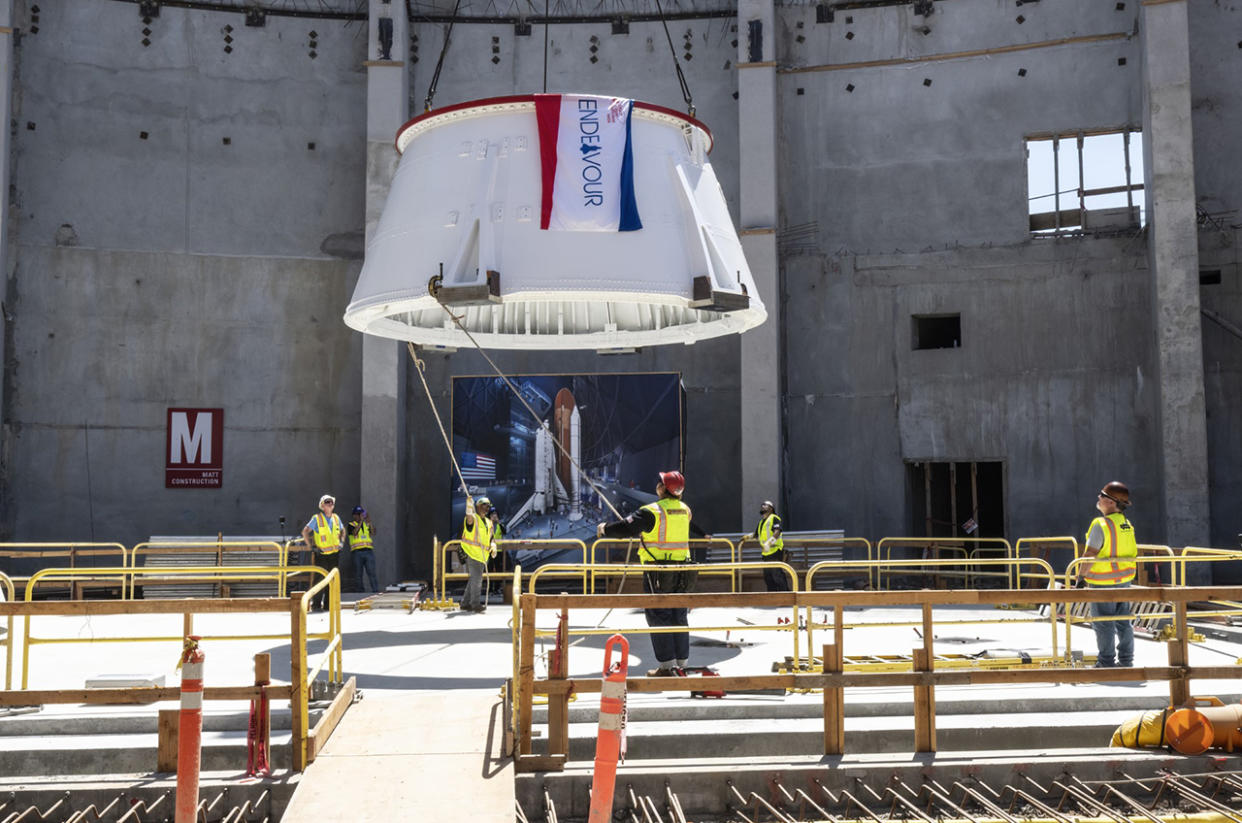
{"x":662,"y":672}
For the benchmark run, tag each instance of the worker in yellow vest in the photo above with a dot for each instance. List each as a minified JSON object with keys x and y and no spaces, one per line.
{"x":1111,"y":549}
{"x":664,"y":528}
{"x":768,"y":535}
{"x":477,"y":545}
{"x":362,"y":549}
{"x":324,"y":533}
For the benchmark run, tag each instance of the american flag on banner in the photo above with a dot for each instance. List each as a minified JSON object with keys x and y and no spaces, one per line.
{"x":475,"y":466}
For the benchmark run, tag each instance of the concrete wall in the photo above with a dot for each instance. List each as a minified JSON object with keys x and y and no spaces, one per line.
{"x":918,"y":198}
{"x":172,"y":269}
{"x":1217,"y":117}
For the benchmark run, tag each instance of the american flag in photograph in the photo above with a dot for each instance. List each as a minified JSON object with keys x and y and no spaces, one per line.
{"x":475,"y":466}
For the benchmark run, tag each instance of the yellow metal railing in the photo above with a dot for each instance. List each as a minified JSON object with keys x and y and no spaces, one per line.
{"x":808,"y":545}
{"x":968,"y":547}
{"x":1044,"y":545}
{"x":606,"y":568}
{"x":1080,"y":613}
{"x":197,"y":573}
{"x":9,"y":593}
{"x":1013,"y":566}
{"x":73,"y":551}
{"x":639,"y":569}
{"x":219,"y":547}
{"x":440,"y":562}
{"x":332,"y":657}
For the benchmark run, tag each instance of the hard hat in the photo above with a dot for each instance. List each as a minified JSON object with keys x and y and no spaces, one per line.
{"x":327,"y":498}
{"x":673,"y":482}
{"x":483,"y":501}
{"x":1117,"y":492}
{"x":767,"y":504}
{"x":359,"y":510}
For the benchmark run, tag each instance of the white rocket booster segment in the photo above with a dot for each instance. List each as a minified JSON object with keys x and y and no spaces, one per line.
{"x":575,"y":449}
{"x":480,"y":193}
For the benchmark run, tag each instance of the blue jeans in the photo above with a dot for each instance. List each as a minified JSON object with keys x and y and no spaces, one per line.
{"x":1108,"y":631}
{"x":364,"y":561}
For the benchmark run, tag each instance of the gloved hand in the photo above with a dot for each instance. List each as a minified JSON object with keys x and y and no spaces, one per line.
{"x":469,"y":507}
{"x":599,"y":530}
{"x":769,"y":543}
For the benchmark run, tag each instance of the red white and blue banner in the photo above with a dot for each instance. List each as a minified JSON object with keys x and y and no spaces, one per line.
{"x":587,"y":163}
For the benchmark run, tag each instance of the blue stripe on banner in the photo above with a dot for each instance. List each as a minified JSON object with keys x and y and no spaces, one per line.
{"x":629,"y":204}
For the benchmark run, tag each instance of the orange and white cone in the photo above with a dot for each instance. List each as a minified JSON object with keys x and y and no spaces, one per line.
{"x":611,"y":730}
{"x":190,"y":735}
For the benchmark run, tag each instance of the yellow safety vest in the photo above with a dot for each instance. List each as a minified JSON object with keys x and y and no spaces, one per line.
{"x":764,"y":531}
{"x":327,"y":534}
{"x":1115,"y":564}
{"x":669,"y":539}
{"x":476,"y":540}
{"x":360,"y":539}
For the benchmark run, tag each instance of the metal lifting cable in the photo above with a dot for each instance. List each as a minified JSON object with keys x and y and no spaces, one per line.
{"x":681,"y":77}
{"x":435,"y":77}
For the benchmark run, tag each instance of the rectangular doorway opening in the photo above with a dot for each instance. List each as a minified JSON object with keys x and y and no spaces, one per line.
{"x":965,"y":499}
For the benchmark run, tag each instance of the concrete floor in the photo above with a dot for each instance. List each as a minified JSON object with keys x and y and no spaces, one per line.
{"x":420,"y":660}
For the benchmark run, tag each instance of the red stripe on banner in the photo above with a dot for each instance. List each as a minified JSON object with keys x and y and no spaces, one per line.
{"x":548,"y":116}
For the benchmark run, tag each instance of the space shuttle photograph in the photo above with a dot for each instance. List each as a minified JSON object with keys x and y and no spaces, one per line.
{"x":620,"y":430}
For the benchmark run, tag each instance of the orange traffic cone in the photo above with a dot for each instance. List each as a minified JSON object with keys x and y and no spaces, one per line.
{"x":611,"y":730}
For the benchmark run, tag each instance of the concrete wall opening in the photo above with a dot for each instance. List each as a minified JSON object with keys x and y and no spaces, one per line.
{"x":936,"y":331}
{"x":1085,"y":181}
{"x":956,"y":499}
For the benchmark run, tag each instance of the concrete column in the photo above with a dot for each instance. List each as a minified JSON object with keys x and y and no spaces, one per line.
{"x":1173,"y":255}
{"x":383,"y":361}
{"x":6,"y":266}
{"x":762,"y":413}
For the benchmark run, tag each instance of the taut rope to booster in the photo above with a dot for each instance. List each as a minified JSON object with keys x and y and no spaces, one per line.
{"x":432,"y":289}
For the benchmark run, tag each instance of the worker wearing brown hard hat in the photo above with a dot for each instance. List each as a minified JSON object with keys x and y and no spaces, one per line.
{"x":664,"y":528}
{"x":1111,"y":550}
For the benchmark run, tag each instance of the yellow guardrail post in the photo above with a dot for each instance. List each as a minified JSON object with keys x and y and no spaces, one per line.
{"x":209,"y":573}
{"x":514,"y":706}
{"x":10,"y":594}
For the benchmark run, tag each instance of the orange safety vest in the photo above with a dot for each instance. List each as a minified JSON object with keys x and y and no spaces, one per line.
{"x":1115,"y":564}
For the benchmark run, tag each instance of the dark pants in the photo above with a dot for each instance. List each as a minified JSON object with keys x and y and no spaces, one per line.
{"x":1114,"y":639}
{"x":364,"y":562}
{"x":668,"y":646}
{"x":327,"y":562}
{"x":776,"y":579}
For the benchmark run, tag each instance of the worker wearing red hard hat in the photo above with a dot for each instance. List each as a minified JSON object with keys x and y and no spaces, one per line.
{"x":664,"y":527}
{"x":1112,"y":548}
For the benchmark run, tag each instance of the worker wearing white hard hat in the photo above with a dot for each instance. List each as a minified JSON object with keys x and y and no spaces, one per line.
{"x":478,"y":545}
{"x":323,"y":534}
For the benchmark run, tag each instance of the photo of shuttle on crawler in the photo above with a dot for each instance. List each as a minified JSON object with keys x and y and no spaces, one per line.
{"x":621,"y":429}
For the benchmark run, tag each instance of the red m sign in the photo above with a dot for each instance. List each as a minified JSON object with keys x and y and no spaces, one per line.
{"x":194,"y":453}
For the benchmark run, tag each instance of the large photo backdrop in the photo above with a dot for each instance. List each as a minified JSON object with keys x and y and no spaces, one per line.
{"x":620,"y":428}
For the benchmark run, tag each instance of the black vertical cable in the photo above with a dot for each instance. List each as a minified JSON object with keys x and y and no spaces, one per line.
{"x":435,"y":77}
{"x":681,"y":77}
{"x":545,"y":46}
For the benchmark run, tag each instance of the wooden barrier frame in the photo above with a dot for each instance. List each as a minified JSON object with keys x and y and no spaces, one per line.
{"x":1178,"y":673}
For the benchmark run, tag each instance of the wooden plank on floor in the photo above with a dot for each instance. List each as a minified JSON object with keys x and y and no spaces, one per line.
{"x":425,"y":753}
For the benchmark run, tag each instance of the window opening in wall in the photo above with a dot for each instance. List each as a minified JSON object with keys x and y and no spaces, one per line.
{"x":1085,"y":181}
{"x":1209,"y":277}
{"x":956,"y":499}
{"x":936,"y":331}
